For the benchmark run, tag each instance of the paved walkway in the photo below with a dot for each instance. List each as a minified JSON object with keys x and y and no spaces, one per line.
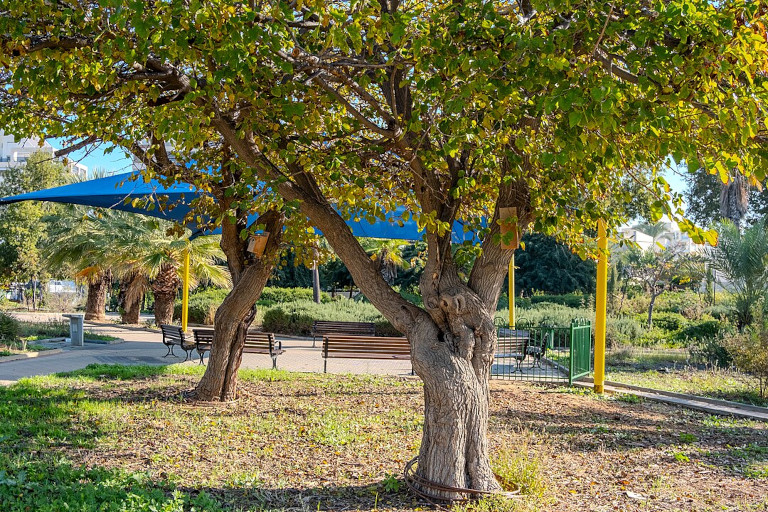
{"x":144,"y":346}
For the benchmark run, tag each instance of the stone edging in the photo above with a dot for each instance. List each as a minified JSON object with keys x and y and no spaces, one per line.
{"x":30,"y":355}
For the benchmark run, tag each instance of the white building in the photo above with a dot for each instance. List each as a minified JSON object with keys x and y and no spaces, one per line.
{"x":15,"y":152}
{"x":669,"y":236}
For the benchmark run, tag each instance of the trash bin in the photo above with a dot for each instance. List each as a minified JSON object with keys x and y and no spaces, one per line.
{"x":76,"y":328}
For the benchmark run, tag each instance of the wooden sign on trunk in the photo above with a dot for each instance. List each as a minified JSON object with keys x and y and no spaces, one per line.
{"x":257,"y":244}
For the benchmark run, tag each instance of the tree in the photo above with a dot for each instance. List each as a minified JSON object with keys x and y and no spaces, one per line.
{"x":354,"y":109}
{"x":23,"y":234}
{"x":551,"y":267}
{"x":703,"y":194}
{"x":654,"y":270}
{"x":106,"y":244}
{"x":741,"y":258}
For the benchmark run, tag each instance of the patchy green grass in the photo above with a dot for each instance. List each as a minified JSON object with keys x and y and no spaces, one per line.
{"x":4,"y":353}
{"x":713,"y":383}
{"x":127,"y":438}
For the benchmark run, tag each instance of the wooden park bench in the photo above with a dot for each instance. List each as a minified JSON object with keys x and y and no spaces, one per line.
{"x":514,"y":345}
{"x":174,"y":336}
{"x":256,"y":342}
{"x":323,"y":327}
{"x":364,"y":347}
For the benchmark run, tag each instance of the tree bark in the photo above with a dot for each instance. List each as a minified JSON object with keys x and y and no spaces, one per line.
{"x":237,"y":311}
{"x":131,"y":298}
{"x":165,"y":287}
{"x":95,"y":304}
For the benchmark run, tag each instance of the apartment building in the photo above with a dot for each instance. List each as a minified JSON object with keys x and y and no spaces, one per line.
{"x":14,"y":152}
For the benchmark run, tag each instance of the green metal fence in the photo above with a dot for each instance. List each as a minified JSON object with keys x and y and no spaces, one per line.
{"x":542,"y":353}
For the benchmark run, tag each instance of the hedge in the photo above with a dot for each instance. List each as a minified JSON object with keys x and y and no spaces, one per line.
{"x":296,"y":317}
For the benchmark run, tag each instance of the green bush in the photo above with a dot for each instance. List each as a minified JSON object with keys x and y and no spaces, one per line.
{"x":719,"y":311}
{"x":296,"y":317}
{"x":700,"y":330}
{"x":622,"y":331}
{"x":571,"y":300}
{"x":547,"y":313}
{"x":203,"y":304}
{"x":710,"y":350}
{"x":272,"y":295}
{"x":9,"y":329}
{"x":669,"y":322}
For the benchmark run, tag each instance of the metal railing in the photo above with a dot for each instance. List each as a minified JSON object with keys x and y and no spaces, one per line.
{"x":543,"y":353}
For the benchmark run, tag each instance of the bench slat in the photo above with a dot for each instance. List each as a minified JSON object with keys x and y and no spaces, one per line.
{"x":256,"y":342}
{"x":365,"y":347}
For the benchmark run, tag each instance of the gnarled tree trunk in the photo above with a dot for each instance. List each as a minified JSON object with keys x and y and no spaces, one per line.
{"x":236,"y":313}
{"x":96,"y":302}
{"x":165,"y":287}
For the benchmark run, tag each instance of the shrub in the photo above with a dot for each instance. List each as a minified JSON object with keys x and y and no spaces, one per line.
{"x":721,"y":311}
{"x":9,"y":329}
{"x":271,"y":295}
{"x":749,"y":351}
{"x":710,"y":350}
{"x":666,"y":321}
{"x":203,"y":304}
{"x":622,"y":331}
{"x":700,"y":330}
{"x":296,"y":317}
{"x":571,"y":300}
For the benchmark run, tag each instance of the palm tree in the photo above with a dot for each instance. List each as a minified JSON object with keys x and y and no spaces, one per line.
{"x":734,"y":199}
{"x":139,"y":252}
{"x":158,"y":256}
{"x":742,"y":258}
{"x":387,"y":257}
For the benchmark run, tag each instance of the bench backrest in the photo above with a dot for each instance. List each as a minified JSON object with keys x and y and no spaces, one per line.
{"x":328,"y":327}
{"x":259,"y":340}
{"x":172,"y":334}
{"x":365,"y":344}
{"x":253,"y":339}
{"x":513,"y":341}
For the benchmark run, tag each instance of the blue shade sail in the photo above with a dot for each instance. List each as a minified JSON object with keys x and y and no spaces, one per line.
{"x":173,"y":203}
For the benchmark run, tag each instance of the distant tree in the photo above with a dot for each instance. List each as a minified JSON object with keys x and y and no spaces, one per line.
{"x":289,"y":272}
{"x":741,"y":258}
{"x":654,"y":270}
{"x":703,"y":194}
{"x":549,"y":266}
{"x":23,"y":233}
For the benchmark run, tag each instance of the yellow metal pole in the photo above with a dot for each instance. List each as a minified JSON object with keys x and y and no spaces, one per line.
{"x":512,"y":292}
{"x":601,"y":303}
{"x":185,"y":292}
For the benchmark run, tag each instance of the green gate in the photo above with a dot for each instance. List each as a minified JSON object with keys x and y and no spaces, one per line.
{"x":581,"y":350}
{"x":543,"y":353}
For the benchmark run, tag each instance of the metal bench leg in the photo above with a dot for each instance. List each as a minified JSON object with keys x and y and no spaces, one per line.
{"x":170,"y":351}
{"x":325,"y":366}
{"x":201,"y":357}
{"x":274,"y":362}
{"x":314,"y":339}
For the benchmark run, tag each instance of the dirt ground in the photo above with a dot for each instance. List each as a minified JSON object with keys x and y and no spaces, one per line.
{"x":340,"y":443}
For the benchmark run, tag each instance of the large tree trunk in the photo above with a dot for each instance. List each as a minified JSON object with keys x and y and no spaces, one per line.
{"x":95,"y":304}
{"x":233,"y":318}
{"x":164,"y":287}
{"x":131,"y":297}
{"x":236,"y":313}
{"x":454,"y":448}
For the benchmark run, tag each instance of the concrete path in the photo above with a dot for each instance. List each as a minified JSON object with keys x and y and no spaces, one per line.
{"x":144,"y":346}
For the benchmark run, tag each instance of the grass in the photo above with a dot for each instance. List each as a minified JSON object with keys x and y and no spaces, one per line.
{"x":126,"y":438}
{"x":712,"y":383}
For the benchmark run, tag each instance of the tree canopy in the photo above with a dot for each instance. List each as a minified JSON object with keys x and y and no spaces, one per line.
{"x":460,"y":110}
